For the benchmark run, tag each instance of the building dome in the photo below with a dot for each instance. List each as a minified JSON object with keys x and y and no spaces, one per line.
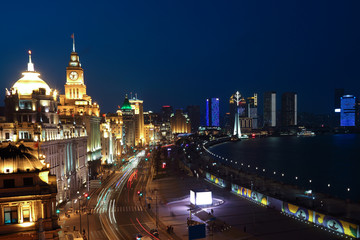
{"x":126,"y":105}
{"x":30,"y":81}
{"x":15,"y":158}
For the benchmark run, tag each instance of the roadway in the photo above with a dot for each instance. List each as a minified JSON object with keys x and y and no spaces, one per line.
{"x":121,"y":211}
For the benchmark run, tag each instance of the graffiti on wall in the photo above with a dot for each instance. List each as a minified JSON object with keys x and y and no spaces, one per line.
{"x":218,"y":181}
{"x":245,"y":192}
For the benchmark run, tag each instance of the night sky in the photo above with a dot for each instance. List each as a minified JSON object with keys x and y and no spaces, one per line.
{"x":181,"y":52}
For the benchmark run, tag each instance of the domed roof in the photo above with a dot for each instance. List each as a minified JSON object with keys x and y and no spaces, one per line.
{"x":126,"y":105}
{"x":30,"y":81}
{"x":15,"y":158}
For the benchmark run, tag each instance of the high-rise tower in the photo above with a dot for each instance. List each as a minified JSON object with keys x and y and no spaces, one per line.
{"x":137,"y":106}
{"x":348,"y":111}
{"x":212,"y":112}
{"x":237,"y":129}
{"x":289,"y":109}
{"x":270,"y":109}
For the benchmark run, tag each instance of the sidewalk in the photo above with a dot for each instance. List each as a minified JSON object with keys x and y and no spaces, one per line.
{"x":173,"y":207}
{"x":70,"y":226}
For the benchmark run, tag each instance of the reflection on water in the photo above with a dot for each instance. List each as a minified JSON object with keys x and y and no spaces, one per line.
{"x":327,"y":159}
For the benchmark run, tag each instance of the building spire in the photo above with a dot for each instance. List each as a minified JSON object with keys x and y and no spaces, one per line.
{"x":73,"y":37}
{"x":237,"y":128}
{"x":30,"y":64}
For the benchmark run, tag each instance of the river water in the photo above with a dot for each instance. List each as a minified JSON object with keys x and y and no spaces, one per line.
{"x":323,"y":159}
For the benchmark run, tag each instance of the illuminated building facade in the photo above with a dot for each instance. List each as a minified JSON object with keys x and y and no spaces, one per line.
{"x":348,"y":111}
{"x":179,"y":122}
{"x":289,"y":109}
{"x":270,"y":109}
{"x":27,"y":195}
{"x":152,"y":128}
{"x":31,"y":116}
{"x":128,"y":129}
{"x":212,"y":112}
{"x":76,"y":107}
{"x":252,"y":103}
{"x":107,"y":142}
{"x":137,"y":106}
{"x":116,"y":127}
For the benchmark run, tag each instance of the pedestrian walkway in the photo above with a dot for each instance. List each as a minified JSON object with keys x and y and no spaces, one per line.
{"x":174,"y":208}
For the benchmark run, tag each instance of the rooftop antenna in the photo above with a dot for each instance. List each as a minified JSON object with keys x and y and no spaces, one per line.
{"x":30,"y":64}
{"x":73,"y":37}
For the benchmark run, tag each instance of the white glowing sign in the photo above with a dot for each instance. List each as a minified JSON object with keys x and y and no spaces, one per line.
{"x":200,"y":198}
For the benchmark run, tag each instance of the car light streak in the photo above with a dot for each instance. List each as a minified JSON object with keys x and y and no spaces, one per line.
{"x":145,"y":229}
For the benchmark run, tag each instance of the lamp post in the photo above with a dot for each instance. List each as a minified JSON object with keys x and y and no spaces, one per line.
{"x":87,"y":218}
{"x":156,"y":208}
{"x":80,"y":213}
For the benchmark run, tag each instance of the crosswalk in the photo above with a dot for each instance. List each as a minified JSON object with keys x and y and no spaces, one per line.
{"x":122,"y":209}
{"x":129,"y":209}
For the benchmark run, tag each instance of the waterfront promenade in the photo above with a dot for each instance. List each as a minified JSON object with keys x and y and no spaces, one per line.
{"x":258,"y":222}
{"x":345,"y":209}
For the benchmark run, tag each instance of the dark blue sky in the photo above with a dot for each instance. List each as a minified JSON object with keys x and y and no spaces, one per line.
{"x":181,"y":52}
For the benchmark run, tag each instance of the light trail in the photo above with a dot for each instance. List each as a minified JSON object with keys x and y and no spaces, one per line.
{"x":107,"y":201}
{"x":146,"y":230}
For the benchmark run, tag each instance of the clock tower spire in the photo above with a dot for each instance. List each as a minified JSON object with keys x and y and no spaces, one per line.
{"x":75,"y":87}
{"x":73,"y":37}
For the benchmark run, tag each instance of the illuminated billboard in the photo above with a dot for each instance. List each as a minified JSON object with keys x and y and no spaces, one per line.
{"x":198,"y":197}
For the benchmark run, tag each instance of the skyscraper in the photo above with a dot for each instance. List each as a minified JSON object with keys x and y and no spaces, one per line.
{"x":270,"y":109}
{"x":137,"y":105}
{"x":212,"y":112}
{"x":348,"y":111}
{"x":252,"y":110}
{"x":180,"y":122}
{"x":193,"y":112}
{"x":166,"y":112}
{"x":289,"y":109}
{"x":339,"y":92}
{"x":128,"y":130}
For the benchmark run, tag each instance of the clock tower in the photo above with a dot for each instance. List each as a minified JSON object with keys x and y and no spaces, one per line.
{"x":74,"y":87}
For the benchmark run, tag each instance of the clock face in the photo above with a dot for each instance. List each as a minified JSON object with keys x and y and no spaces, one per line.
{"x":73,"y":75}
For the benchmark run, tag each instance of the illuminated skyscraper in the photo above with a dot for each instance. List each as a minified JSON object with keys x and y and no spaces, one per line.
{"x":348,"y":111}
{"x":179,"y":122}
{"x":137,"y":106}
{"x":252,"y":110}
{"x":212,"y":112}
{"x":270,"y":109}
{"x":128,"y":124}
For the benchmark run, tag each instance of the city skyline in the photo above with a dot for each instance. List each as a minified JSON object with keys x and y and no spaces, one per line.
{"x":204,"y":50}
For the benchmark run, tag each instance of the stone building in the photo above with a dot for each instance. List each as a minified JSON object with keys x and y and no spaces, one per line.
{"x":31,"y":117}
{"x":76,"y":107}
{"x":27,"y":195}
